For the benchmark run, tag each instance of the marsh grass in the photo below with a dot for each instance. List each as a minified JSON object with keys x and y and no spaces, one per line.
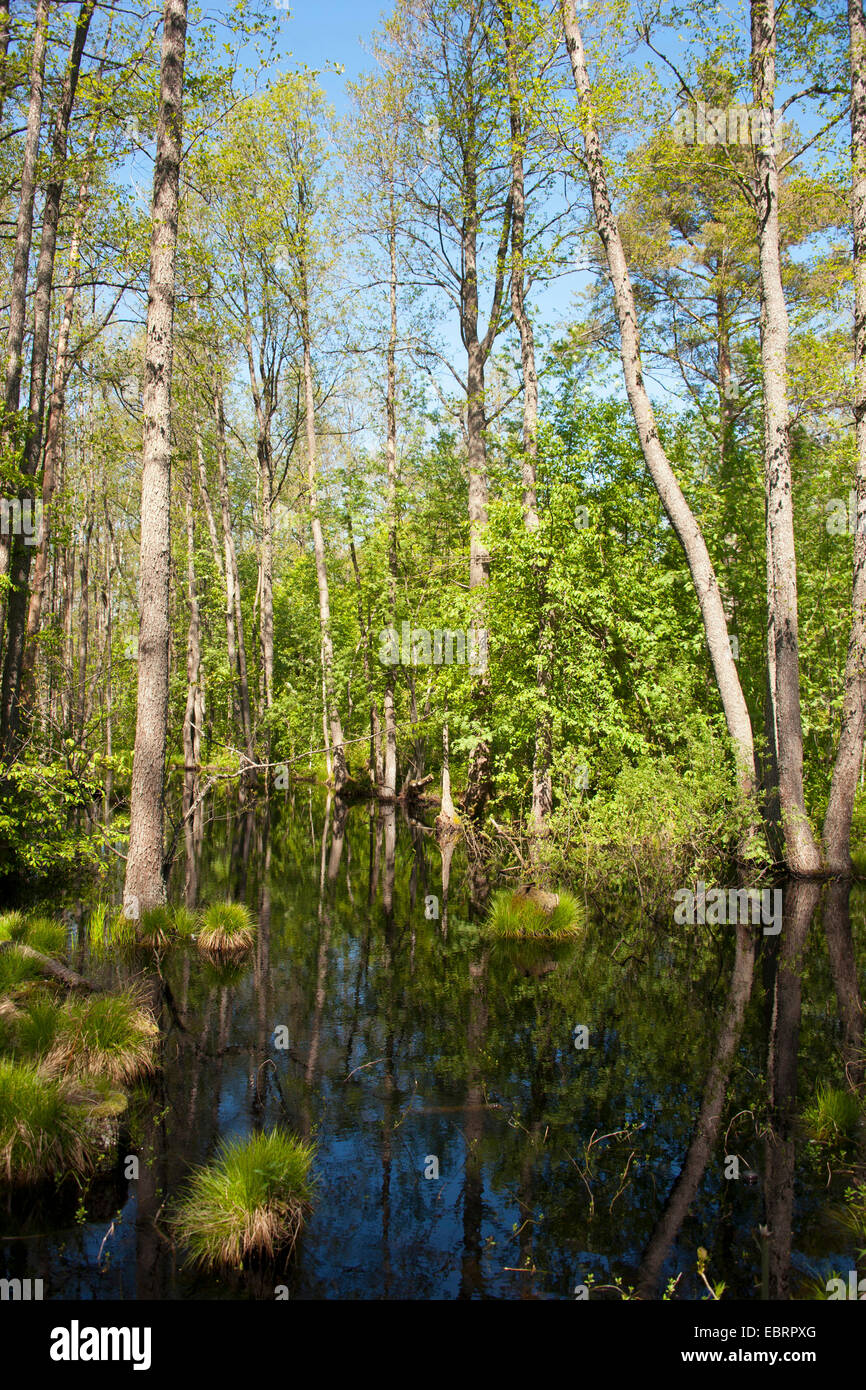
{"x":16,"y":970}
{"x":228,"y":929}
{"x":249,"y":1202}
{"x":10,"y":925}
{"x":37,"y":1026}
{"x":185,"y":923}
{"x":155,"y":929}
{"x":833,"y":1116}
{"x":106,"y":1035}
{"x":515,"y":915}
{"x":42,"y":1133}
{"x":109,"y":932}
{"x":43,"y":934}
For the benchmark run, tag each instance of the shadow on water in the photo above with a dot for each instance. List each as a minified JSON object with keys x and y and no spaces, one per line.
{"x":491,"y":1119}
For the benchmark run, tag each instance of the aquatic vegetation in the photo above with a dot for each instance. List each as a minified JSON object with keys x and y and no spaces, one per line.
{"x":833,"y":1116}
{"x":109,"y":930}
{"x":185,"y":923}
{"x":228,"y":928}
{"x":42,"y":934}
{"x":11,"y":924}
{"x":250,"y":1201}
{"x":105,"y":1035}
{"x":155,"y":928}
{"x":16,"y":970}
{"x":535,"y":913}
{"x":42,"y":1132}
{"x":36,"y":1026}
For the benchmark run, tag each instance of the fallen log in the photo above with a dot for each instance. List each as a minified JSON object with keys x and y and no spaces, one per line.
{"x":52,"y":967}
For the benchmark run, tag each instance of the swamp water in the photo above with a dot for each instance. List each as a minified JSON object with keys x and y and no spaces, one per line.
{"x":492,"y":1119}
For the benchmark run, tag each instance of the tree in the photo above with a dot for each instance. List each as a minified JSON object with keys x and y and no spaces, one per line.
{"x":145,"y":884}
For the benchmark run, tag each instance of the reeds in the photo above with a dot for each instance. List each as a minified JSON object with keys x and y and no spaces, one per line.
{"x":249,"y":1202}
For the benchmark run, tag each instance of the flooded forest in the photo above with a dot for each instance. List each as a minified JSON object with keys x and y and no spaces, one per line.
{"x":432,"y":657}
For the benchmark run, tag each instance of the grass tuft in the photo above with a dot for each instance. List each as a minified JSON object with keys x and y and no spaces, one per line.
{"x":833,"y":1116}
{"x":42,"y":1134}
{"x":536,"y":915}
{"x":228,"y":929}
{"x":45,"y":935}
{"x":250,"y":1201}
{"x":16,"y":970}
{"x":106,"y":1035}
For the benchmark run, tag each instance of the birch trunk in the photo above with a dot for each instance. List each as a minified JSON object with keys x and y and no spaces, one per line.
{"x":234,"y":612}
{"x":389,"y":787}
{"x":801,"y":850}
{"x":338,"y":755}
{"x":849,"y":756}
{"x":145,"y":883}
{"x":21,"y":259}
{"x":20,"y":551}
{"x":542,"y":792}
{"x":677,"y":508}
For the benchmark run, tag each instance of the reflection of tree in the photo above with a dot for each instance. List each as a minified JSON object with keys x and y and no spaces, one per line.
{"x":843,"y":967}
{"x":801,"y":899}
{"x":706,"y":1131}
{"x":262,"y":974}
{"x":473,"y":1128}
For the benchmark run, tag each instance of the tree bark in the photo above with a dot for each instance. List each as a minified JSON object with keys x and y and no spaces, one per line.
{"x":677,"y":508}
{"x":145,"y":882}
{"x":194,"y":703}
{"x":389,"y":787}
{"x":21,"y":260}
{"x":53,"y":437}
{"x":338,"y":755}
{"x":849,"y":756}
{"x":542,"y":791}
{"x":801,"y":850}
{"x":21,"y":552}
{"x":237,"y":651}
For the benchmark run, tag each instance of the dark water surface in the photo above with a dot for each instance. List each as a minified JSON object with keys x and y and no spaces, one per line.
{"x":418,"y":1047}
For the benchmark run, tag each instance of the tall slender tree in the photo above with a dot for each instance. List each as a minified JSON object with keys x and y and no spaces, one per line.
{"x":145,"y":883}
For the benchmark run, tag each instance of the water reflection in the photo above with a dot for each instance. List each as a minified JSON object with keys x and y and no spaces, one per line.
{"x":466,"y":1147}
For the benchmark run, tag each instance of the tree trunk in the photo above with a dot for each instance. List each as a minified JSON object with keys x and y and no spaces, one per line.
{"x":53,"y":436}
{"x":145,"y":882}
{"x":677,"y":508}
{"x":389,"y":788}
{"x":234,"y":613}
{"x":801,"y":850}
{"x":21,"y":260}
{"x":542,"y":792}
{"x":191,"y":720}
{"x":21,"y":552}
{"x":338,"y":755}
{"x":849,"y":757}
{"x":4,"y":49}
